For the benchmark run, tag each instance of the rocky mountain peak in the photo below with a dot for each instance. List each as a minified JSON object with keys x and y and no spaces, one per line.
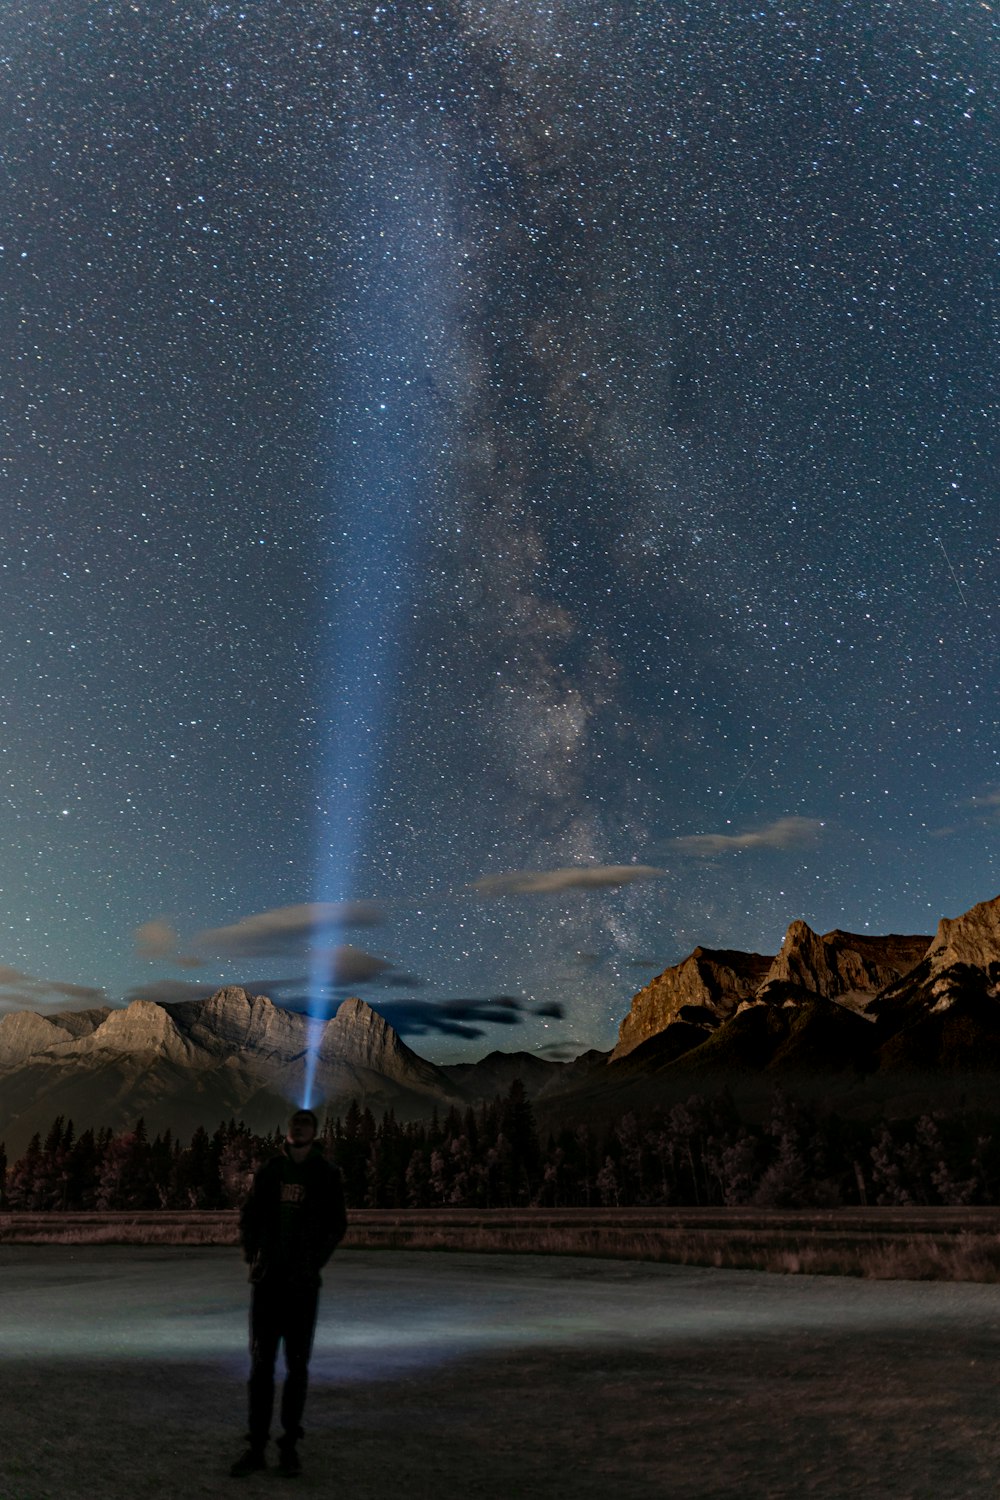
{"x":23,"y":1033}
{"x":840,"y":965}
{"x":361,"y":1038}
{"x":704,"y":989}
{"x":360,"y":1033}
{"x":81,"y":1022}
{"x":232,"y":1010}
{"x":959,"y":977}
{"x":973,"y":938}
{"x":804,"y":959}
{"x":141,"y":1026}
{"x":234,"y":1021}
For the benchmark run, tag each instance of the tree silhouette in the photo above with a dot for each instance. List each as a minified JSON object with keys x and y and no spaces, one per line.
{"x":697,"y":1152}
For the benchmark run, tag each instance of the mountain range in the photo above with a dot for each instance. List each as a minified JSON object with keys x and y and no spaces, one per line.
{"x":867,"y":1022}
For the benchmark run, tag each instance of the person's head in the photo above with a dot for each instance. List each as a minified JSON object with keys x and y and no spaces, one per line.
{"x":302,"y":1128}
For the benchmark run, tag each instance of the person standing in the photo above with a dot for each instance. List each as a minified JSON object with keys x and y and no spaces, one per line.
{"x":290,"y":1224}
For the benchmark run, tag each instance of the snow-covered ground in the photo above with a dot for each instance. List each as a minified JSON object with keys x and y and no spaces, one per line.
{"x":122,"y":1374}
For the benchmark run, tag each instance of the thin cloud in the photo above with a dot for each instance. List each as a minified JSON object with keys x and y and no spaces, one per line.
{"x":987,"y":813}
{"x":785,"y":833}
{"x":173,"y":991}
{"x":464,"y":1018}
{"x":574,"y":877}
{"x":346,"y":964}
{"x":286,"y":993}
{"x":552,"y":1010}
{"x":158,"y":940}
{"x":987,"y":807}
{"x":559,"y":1051}
{"x":285,"y":930}
{"x":19,"y":991}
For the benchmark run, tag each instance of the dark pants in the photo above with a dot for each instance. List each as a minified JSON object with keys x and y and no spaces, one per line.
{"x":280,"y":1311}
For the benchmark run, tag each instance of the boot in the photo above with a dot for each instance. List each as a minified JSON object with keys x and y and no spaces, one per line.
{"x":250,"y":1462}
{"x":289,"y":1463}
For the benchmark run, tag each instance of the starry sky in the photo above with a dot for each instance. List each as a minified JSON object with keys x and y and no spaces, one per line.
{"x":493,"y":494}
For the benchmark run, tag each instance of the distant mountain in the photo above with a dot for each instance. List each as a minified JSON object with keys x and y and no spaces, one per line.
{"x":703,"y":990}
{"x":861,"y":1020}
{"x":865,"y":1022}
{"x":849,"y":967}
{"x":201,"y":1061}
{"x":493,"y":1074}
{"x":945,"y":1012}
{"x":23,"y":1032}
{"x":705,"y":993}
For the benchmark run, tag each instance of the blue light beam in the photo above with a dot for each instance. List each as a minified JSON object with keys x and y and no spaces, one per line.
{"x":395,"y":320}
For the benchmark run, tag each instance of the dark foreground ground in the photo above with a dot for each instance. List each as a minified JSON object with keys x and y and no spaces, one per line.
{"x":122,"y":1374}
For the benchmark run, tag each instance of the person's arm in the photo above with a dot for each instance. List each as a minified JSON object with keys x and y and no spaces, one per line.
{"x":335,"y":1226}
{"x":250,"y":1219}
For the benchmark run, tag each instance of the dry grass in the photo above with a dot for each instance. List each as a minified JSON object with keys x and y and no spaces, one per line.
{"x":923,"y":1256}
{"x":919,"y":1244}
{"x":196,"y":1228}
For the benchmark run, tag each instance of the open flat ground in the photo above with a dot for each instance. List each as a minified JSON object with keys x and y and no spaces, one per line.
{"x":122,"y":1374}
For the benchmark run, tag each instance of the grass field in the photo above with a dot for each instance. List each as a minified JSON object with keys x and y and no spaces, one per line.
{"x":941,"y":1244}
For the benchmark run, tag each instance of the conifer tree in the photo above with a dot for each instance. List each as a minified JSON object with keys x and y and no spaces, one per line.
{"x":517,"y":1123}
{"x":24,"y":1178}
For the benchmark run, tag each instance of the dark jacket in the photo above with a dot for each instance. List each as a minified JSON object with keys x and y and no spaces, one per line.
{"x":293,"y":1218}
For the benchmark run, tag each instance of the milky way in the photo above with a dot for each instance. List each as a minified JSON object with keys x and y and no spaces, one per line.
{"x":568,"y":429}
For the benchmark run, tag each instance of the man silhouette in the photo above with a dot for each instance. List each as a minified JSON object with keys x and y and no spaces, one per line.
{"x":291,"y":1223}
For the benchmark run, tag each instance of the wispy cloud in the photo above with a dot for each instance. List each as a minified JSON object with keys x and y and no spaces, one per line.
{"x":784,"y":833}
{"x":559,"y":1051}
{"x":465,"y":1018}
{"x":158,"y":940}
{"x":19,"y":991}
{"x":349,"y":973}
{"x":345,"y":965}
{"x":552,"y":1010}
{"x":172,"y":991}
{"x":284,"y":930}
{"x":986,"y":814}
{"x":574,"y":877}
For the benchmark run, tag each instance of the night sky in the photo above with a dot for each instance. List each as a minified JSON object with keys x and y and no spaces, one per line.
{"x":493,"y":495}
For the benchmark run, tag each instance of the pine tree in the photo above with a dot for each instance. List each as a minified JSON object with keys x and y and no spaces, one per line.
{"x":236,"y":1164}
{"x":194,"y":1177}
{"x":82,"y":1173}
{"x":24,"y":1180}
{"x":789,"y":1180}
{"x":123,"y":1179}
{"x":417,"y":1178}
{"x":607,"y":1184}
{"x":631,"y":1160}
{"x":517,"y":1123}
{"x":351,"y":1154}
{"x":54,"y":1138}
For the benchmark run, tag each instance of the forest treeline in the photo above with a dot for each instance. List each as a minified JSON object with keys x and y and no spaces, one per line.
{"x":696,"y":1153}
